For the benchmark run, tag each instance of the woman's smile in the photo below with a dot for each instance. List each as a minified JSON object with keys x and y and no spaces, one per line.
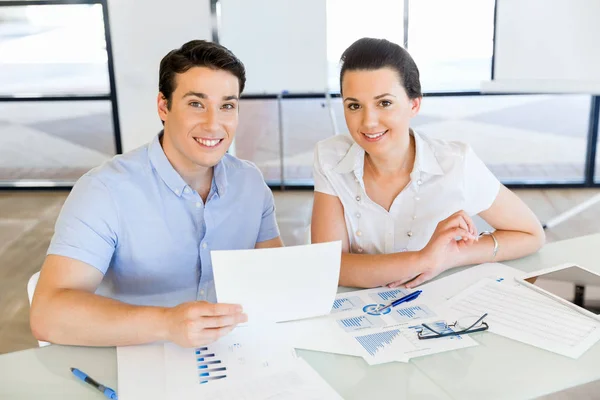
{"x":374,"y":136}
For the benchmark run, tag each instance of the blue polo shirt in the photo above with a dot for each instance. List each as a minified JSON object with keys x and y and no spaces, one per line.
{"x":150,"y":234}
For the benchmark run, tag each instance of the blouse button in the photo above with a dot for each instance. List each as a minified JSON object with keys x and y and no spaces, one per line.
{"x":417,"y":198}
{"x":409,"y":233}
{"x":404,"y":249}
{"x":357,"y":198}
{"x":360,"y":249}
{"x":414,"y":217}
{"x":357,"y":215}
{"x":358,"y":233}
{"x":419,"y":182}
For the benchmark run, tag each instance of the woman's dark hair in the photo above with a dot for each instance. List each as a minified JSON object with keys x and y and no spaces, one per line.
{"x":197,"y":53}
{"x":369,"y":54}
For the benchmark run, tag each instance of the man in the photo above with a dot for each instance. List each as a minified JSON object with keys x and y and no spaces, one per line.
{"x":130,"y":262}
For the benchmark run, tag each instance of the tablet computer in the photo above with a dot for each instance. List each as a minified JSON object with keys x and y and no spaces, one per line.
{"x":570,"y":284}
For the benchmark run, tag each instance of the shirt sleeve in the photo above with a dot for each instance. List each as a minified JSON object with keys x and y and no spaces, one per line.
{"x":322,"y":183}
{"x":480,"y":185}
{"x":268,"y":226}
{"x":86,"y":229}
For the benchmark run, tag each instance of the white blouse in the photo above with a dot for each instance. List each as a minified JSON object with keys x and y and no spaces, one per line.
{"x":446,"y":177}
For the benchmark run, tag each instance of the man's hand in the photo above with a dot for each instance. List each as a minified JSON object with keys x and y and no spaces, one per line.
{"x":199,"y":323}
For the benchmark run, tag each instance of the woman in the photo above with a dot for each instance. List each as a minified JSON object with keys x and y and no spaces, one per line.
{"x":401,"y":202}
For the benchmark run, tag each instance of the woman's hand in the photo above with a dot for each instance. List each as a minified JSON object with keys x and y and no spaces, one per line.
{"x":443,"y":249}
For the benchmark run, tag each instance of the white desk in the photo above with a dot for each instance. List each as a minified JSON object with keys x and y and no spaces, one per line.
{"x":497,"y":369}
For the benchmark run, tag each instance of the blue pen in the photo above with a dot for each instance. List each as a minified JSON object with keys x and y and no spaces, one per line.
{"x":408,"y":297}
{"x":108,"y":392}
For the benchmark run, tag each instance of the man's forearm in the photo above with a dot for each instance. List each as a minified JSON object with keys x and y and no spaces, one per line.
{"x":77,"y":317}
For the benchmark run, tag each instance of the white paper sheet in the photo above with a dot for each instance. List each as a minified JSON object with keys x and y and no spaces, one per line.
{"x":295,"y":382}
{"x":353,"y":328}
{"x":390,"y":335}
{"x":522,"y":314}
{"x":251,"y":363}
{"x":279,"y":284}
{"x":141,"y":372}
{"x":401,"y":343}
{"x":320,"y":334}
{"x":325,"y":333}
{"x":440,"y":290}
{"x":247,"y":351}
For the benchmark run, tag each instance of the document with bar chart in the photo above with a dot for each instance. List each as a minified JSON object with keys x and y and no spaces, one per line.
{"x":388,"y":295}
{"x":386,"y":345}
{"x":296,"y":382}
{"x":408,"y":314}
{"x":347,"y":303}
{"x":359,"y":310}
{"x":357,"y":327}
{"x":248,"y":356}
{"x":360,"y":322}
{"x":365,"y":300}
{"x":385,"y":335}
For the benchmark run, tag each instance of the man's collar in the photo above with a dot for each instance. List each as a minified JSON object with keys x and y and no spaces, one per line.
{"x":163,"y":166}
{"x":171,"y":177}
{"x":220,"y":177}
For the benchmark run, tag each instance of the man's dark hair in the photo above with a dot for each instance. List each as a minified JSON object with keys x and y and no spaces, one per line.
{"x":197,"y":53}
{"x":370,"y":54}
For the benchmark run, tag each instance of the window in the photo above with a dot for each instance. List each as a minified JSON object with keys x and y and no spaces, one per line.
{"x":522,"y":139}
{"x":53,"y":50}
{"x":58,"y":115}
{"x":350,"y":20}
{"x":57,"y":141}
{"x":452,"y":43}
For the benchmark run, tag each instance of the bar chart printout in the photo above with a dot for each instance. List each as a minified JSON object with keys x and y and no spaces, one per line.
{"x":347,"y":303}
{"x":375,"y":342}
{"x":235,"y":368}
{"x":406,"y":314}
{"x":360,"y":322}
{"x":209,"y":367}
{"x":387,"y":296}
{"x":247,"y":351}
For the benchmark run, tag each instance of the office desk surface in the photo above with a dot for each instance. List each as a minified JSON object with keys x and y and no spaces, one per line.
{"x":498,"y":368}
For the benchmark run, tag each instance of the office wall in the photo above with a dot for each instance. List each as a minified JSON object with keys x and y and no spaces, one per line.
{"x":283,"y":44}
{"x":549,"y":45}
{"x":142,"y":32}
